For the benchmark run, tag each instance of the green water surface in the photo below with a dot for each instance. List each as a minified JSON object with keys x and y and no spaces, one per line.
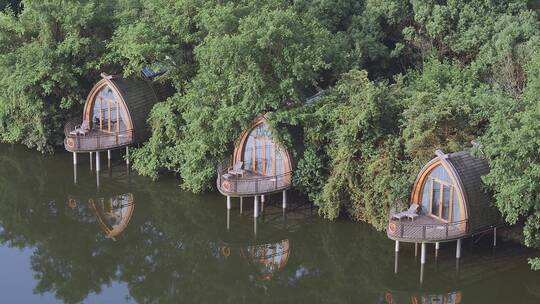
{"x":131,"y":240}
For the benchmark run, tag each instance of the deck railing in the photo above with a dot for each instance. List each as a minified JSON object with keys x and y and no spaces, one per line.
{"x":237,"y":185}
{"x":418,"y":231}
{"x":94,"y":140}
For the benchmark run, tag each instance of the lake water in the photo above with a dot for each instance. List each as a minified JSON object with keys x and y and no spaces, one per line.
{"x":132,"y":240}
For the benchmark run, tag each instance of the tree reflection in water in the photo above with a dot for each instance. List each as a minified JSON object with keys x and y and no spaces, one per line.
{"x":170,"y":248}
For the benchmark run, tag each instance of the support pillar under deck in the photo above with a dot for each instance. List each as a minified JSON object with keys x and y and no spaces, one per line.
{"x":91,"y":162}
{"x":423,"y":254}
{"x":256,"y":206}
{"x":109,"y":158}
{"x":98,"y":163}
{"x":458,"y":249}
{"x":241,"y":205}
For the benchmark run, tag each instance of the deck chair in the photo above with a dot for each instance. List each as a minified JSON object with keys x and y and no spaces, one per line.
{"x":82,"y":129}
{"x":236,"y":169}
{"x":410,"y":213}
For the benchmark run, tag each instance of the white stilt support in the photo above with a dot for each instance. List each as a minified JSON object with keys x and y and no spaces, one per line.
{"x":127,"y":155}
{"x":228,"y":219}
{"x":75,"y":174}
{"x":256,"y":206}
{"x":98,"y":163}
{"x":458,"y":249}
{"x":397,"y":246}
{"x":241,"y":205}
{"x":262,"y":204}
{"x":421,"y":274}
{"x":437,"y":246}
{"x":228,"y":202}
{"x":495,"y":237}
{"x":91,"y":161}
{"x":284,"y":199}
{"x":423,"y":254}
{"x":109,"y":154}
{"x":396,"y":263}
{"x":75,"y":158}
{"x":415,"y":250}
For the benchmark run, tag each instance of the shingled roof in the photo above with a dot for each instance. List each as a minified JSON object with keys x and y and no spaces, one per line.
{"x":140,"y":96}
{"x":482,"y":213}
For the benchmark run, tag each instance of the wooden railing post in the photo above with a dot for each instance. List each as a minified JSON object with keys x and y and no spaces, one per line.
{"x":446,"y":230}
{"x":402,"y":228}
{"x":424,"y":232}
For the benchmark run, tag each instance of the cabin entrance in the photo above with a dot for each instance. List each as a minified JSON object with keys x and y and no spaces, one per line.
{"x":261,"y":154}
{"x":442,"y":198}
{"x":108,"y":114}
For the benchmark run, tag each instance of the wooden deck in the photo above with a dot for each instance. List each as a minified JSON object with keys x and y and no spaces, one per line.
{"x":251,"y":183}
{"x":95,"y":140}
{"x":425,"y":228}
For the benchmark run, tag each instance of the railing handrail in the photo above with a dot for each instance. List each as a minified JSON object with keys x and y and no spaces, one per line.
{"x":94,"y":140}
{"x":250,"y":185}
{"x":413,"y":223}
{"x":72,"y":124}
{"x":421,"y":231}
{"x":223,"y":169}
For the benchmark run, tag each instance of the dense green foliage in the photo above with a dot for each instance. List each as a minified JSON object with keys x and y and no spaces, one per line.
{"x":49,"y":54}
{"x":400,"y":79}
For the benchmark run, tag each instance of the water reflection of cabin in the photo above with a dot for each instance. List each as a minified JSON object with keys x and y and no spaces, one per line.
{"x":113,"y":214}
{"x":114,"y":115}
{"x":454,"y":297}
{"x":267,"y":259}
{"x":259,"y":166}
{"x":452,"y":203}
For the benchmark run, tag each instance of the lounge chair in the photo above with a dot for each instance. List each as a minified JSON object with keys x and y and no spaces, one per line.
{"x":236,"y":169}
{"x":410,"y":213}
{"x":82,"y":129}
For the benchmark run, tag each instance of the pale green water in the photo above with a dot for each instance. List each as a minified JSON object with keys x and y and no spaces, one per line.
{"x":176,"y":247}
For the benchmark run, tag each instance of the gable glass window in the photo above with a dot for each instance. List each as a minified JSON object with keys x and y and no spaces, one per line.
{"x":439,"y":196}
{"x":108,"y":114}
{"x":261,"y":154}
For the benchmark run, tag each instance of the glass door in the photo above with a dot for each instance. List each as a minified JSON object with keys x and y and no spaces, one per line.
{"x":441,"y":200}
{"x":261,"y":154}
{"x":106,"y":113}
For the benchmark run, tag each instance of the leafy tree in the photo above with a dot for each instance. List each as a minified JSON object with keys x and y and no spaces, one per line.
{"x":445,"y":108}
{"x":159,"y":34}
{"x":49,"y":57}
{"x":356,"y":122}
{"x":256,"y":58}
{"x":511,"y":145}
